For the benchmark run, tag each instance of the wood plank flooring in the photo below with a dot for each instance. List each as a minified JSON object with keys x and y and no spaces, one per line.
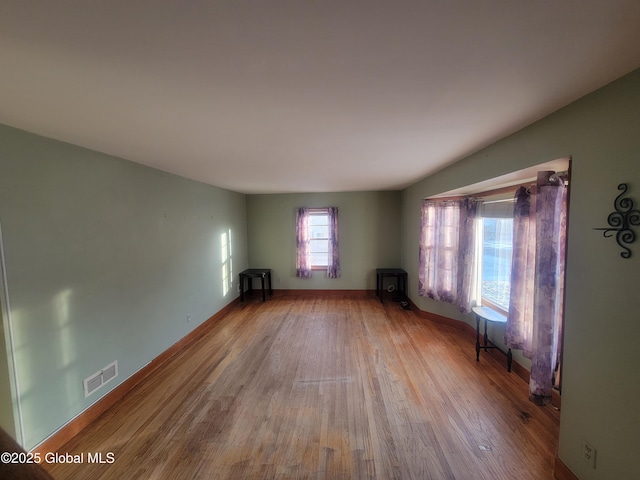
{"x":334,"y":387}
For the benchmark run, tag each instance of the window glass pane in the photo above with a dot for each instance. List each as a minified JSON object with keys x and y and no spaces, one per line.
{"x":319,"y":259}
{"x":321,"y":219}
{"x":316,"y":231}
{"x":319,"y":246}
{"x":497,"y":245}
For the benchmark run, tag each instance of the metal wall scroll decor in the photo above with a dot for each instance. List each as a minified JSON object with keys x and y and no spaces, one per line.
{"x":621,"y":221}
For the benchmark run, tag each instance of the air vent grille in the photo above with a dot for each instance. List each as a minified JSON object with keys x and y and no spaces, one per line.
{"x":98,"y":379}
{"x":93,"y":383}
{"x":109,"y":372}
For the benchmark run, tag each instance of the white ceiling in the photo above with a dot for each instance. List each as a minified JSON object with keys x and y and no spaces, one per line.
{"x":262,"y":96}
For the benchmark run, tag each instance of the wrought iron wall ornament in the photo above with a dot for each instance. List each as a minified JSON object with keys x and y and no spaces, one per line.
{"x":621,"y":222}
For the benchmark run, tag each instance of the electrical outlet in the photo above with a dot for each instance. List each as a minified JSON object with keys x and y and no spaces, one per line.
{"x":188,"y":318}
{"x":589,"y":454}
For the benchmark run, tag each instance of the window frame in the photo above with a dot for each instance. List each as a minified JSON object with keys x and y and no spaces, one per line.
{"x":505,"y":195}
{"x":319,"y":212}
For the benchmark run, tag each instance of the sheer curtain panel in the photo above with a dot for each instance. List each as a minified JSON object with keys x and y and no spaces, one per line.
{"x":303,"y":250}
{"x":333,"y":264}
{"x":447,"y":249}
{"x":534,"y":322}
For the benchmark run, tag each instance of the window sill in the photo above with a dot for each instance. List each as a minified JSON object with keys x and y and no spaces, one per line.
{"x":494,"y":307}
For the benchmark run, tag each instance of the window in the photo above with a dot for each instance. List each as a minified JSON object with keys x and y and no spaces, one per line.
{"x":317,"y":242}
{"x":495,"y":247}
{"x":440,"y":240}
{"x":465,"y":250}
{"x":318,"y":231}
{"x":516,"y":263}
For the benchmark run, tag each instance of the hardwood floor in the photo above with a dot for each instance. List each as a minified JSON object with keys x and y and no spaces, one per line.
{"x":328,"y":387}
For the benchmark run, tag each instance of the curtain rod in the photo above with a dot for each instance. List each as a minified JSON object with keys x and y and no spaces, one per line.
{"x":563,"y":175}
{"x":480,"y":195}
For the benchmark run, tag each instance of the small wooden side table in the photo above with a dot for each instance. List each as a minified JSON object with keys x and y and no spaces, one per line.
{"x":489,"y":315}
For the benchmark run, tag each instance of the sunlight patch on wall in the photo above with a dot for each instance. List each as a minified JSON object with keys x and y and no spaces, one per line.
{"x":227,"y":262}
{"x":61,"y":307}
{"x":21,"y":347}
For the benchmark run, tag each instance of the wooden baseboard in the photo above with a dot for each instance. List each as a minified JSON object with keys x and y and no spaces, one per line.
{"x":325,"y":293}
{"x":562,"y":472}
{"x":449,"y":322}
{"x":76,"y":425}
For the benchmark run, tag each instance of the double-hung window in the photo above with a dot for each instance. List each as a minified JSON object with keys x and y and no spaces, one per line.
{"x":317,"y":241}
{"x":319,"y":238}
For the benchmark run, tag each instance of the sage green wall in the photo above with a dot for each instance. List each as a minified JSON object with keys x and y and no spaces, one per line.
{"x":105,"y":260}
{"x":369,"y":235}
{"x":7,"y":417}
{"x":601,"y":384}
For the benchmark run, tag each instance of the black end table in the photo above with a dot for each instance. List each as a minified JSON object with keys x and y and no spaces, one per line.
{"x":249,"y":274}
{"x":401,"y":279}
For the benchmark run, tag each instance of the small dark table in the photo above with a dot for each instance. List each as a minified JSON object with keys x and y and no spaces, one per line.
{"x":251,"y":273}
{"x":488,"y":315}
{"x":401,"y":279}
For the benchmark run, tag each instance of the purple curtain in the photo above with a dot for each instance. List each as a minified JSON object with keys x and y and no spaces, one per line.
{"x":333,"y":267}
{"x":534,"y":322}
{"x":447,"y":247}
{"x":303,"y":261}
{"x":303,"y":243}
